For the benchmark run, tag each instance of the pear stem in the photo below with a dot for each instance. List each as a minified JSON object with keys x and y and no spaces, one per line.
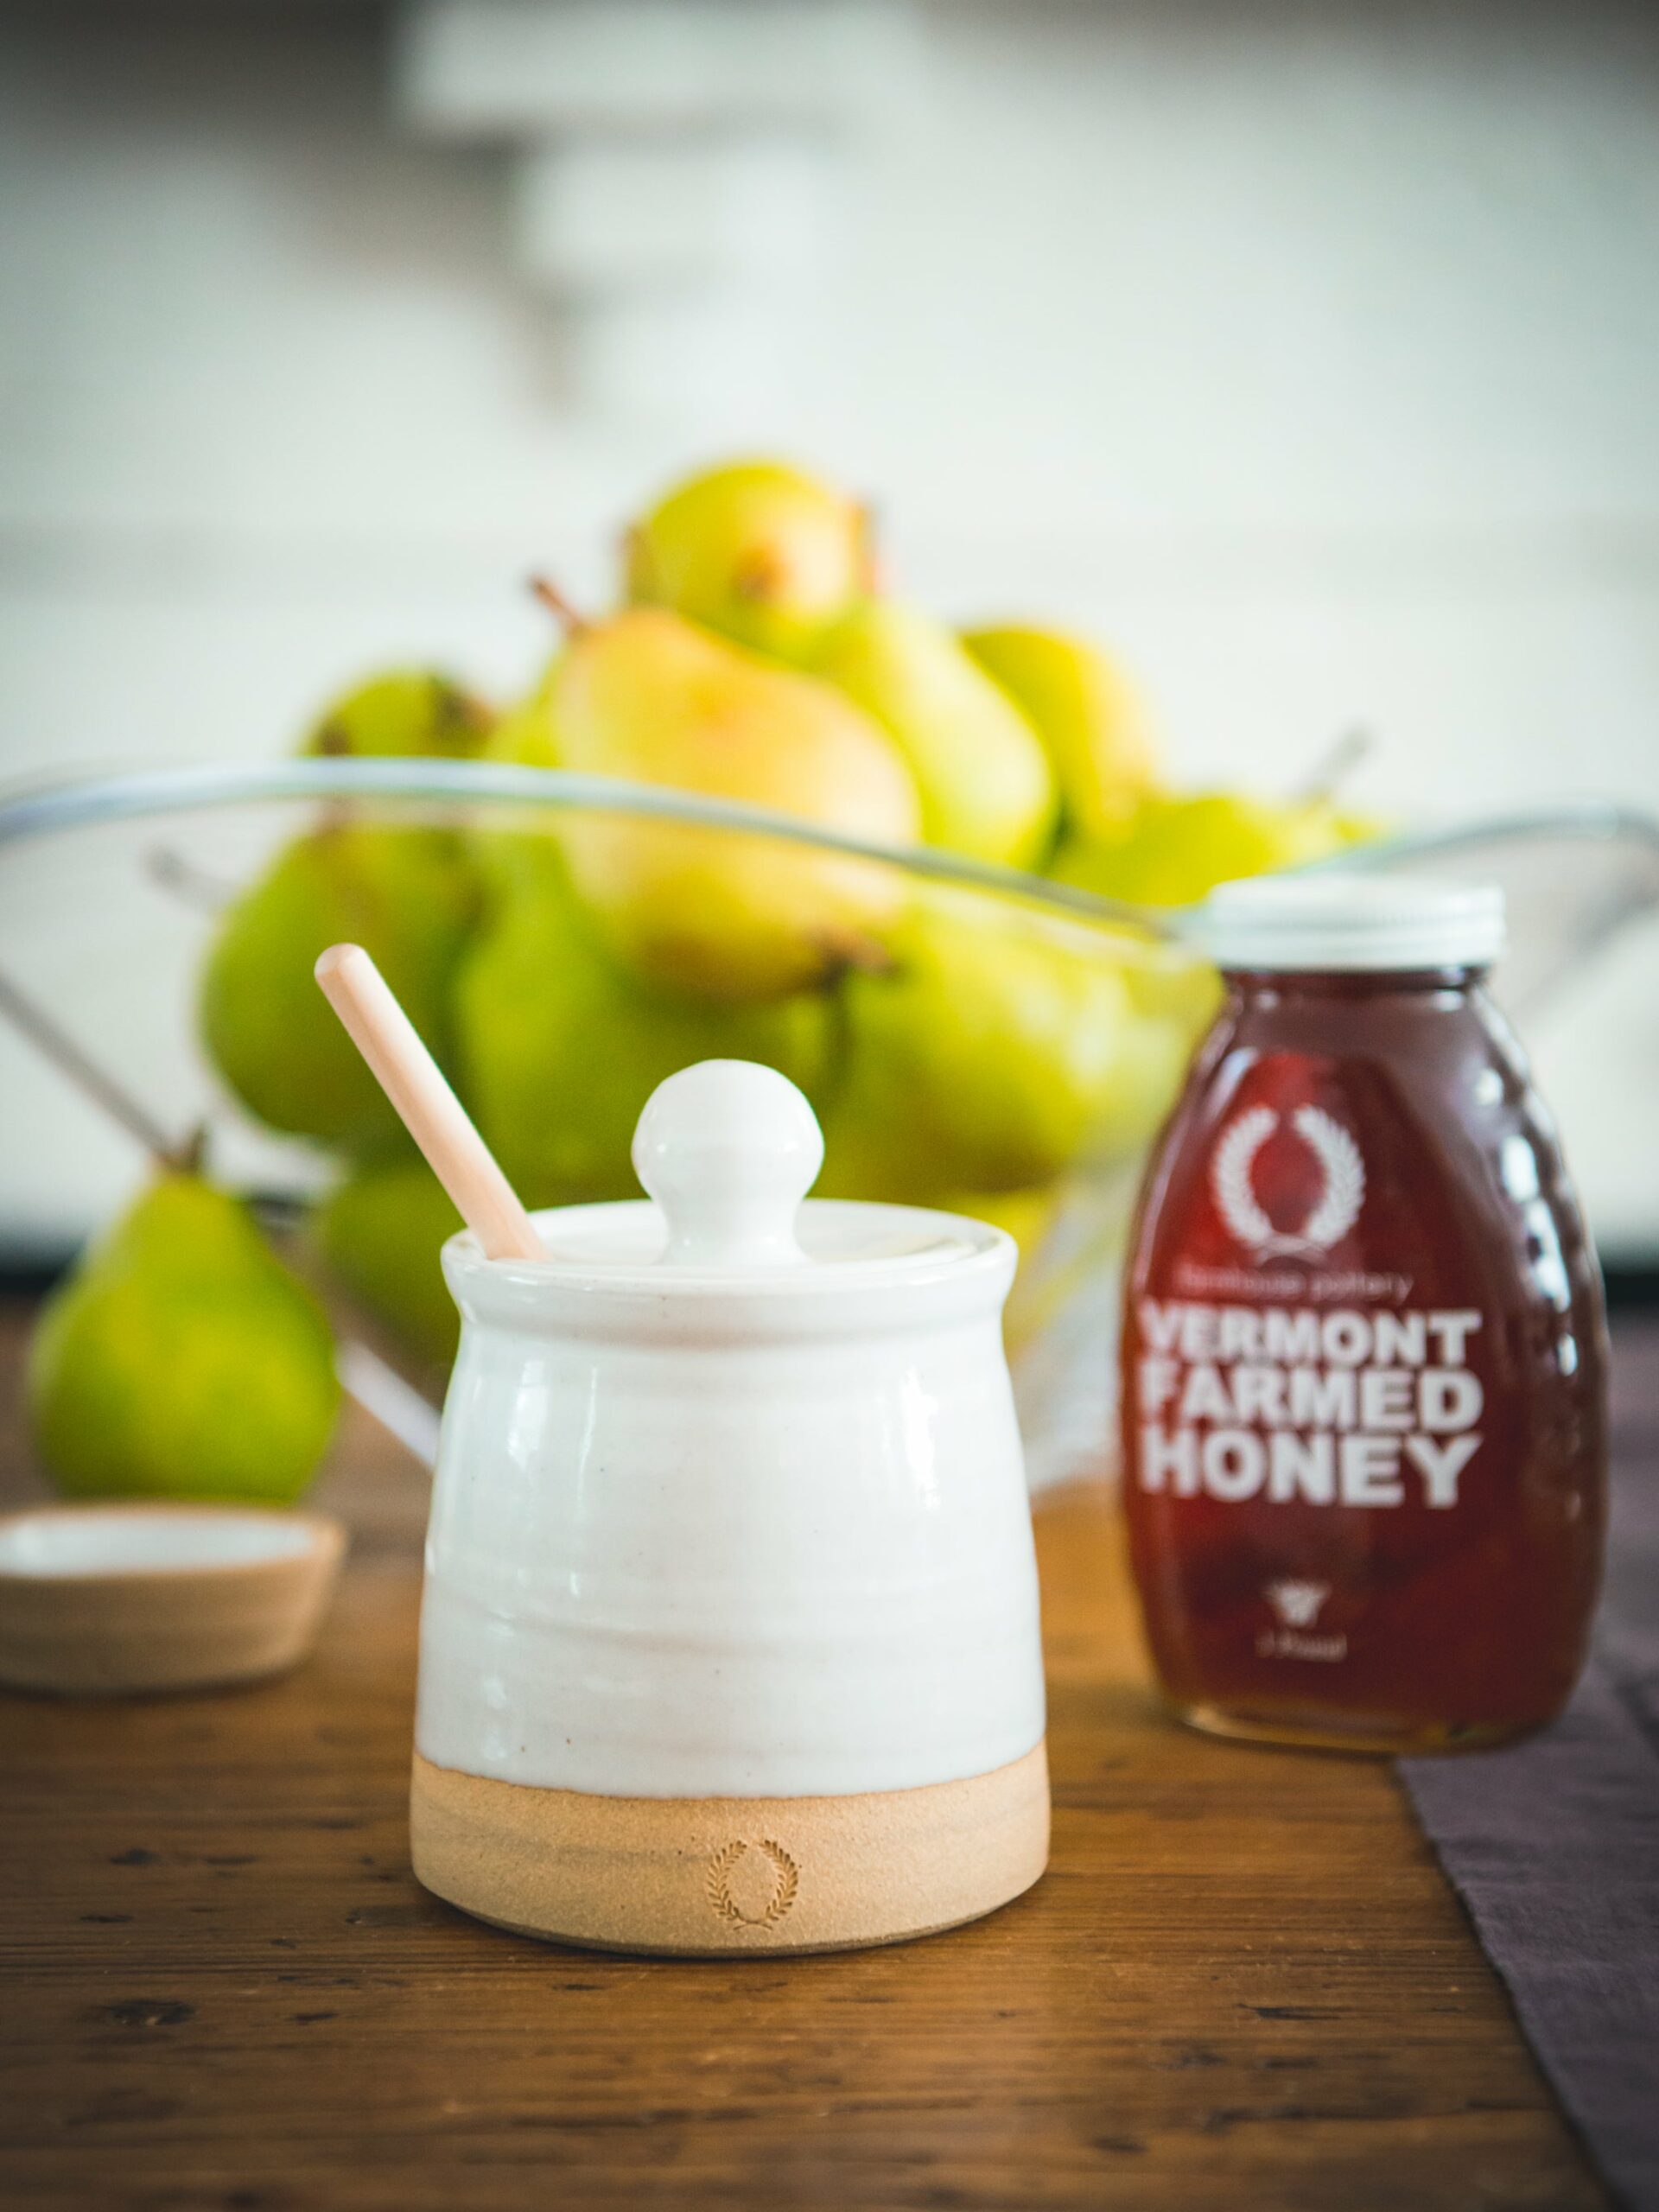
{"x":191,"y":885}
{"x":572,"y":620}
{"x":1334,"y":767}
{"x":869,"y":544}
{"x":33,"y":1022}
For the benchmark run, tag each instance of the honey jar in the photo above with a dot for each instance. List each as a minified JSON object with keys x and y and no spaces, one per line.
{"x":1364,"y":1359}
{"x":729,"y":1641}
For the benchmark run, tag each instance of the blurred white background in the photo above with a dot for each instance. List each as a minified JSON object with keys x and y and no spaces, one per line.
{"x":1308,"y":354}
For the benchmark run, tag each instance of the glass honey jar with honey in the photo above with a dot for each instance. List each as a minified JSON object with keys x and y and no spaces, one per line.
{"x":1364,"y":1357}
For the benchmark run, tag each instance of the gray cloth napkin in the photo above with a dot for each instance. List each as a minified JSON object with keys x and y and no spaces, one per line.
{"x":1553,"y":1845}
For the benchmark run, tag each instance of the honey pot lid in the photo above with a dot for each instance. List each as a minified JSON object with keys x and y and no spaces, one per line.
{"x":728,"y":1151}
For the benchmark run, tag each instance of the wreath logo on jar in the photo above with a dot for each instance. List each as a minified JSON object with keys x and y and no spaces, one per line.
{"x":1335,"y":1208}
{"x":753,"y":1885}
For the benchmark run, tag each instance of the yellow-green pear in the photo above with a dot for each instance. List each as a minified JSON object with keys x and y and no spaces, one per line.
{"x":650,"y":698}
{"x":525,"y":736}
{"x":182,"y":1359}
{"x":762,"y":552}
{"x":1158,"y":1050}
{"x":986,"y":786}
{"x":1173,"y":851}
{"x":403,"y":712}
{"x":993,"y":1054}
{"x":559,"y":1046}
{"x":379,"y":1232}
{"x":407,"y":894}
{"x":1087,"y":715}
{"x":1026,"y":1216}
{"x":1170,"y":983}
{"x":1357,"y":826}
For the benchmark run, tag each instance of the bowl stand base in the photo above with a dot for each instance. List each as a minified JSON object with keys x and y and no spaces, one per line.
{"x":722,"y":1876}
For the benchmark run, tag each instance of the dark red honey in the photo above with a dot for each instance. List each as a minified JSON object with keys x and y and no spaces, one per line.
{"x":1363,"y":1374}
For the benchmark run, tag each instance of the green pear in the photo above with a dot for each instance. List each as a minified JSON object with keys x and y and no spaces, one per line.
{"x":759,"y":551}
{"x":407,"y":894}
{"x":525,"y":736}
{"x":1169,"y":983}
{"x":1087,"y":713}
{"x":650,"y":698}
{"x":996,"y":1051}
{"x":986,"y":786}
{"x":1026,"y":1216}
{"x":404,"y":712}
{"x":182,"y":1359}
{"x":1354,"y":825}
{"x":1173,"y":851}
{"x":559,"y":1046}
{"x":380,"y":1230}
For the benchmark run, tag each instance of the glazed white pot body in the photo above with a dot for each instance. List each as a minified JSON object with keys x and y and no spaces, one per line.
{"x":706,"y":1539}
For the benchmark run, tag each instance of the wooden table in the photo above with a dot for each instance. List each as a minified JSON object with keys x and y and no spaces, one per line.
{"x":1243,"y":1983}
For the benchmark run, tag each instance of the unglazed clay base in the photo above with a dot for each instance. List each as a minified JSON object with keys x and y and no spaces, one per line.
{"x":723,"y":1876}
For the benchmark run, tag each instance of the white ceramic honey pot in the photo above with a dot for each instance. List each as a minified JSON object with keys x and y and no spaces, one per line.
{"x":729,"y":1640}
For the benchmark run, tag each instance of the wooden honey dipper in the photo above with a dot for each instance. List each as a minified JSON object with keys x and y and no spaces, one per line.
{"x":426,"y":1105}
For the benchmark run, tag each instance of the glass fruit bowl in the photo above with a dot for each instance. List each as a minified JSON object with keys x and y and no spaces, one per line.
{"x":971,"y":1038}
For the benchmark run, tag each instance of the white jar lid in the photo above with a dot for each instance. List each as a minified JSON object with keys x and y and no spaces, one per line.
{"x":728,"y":1150}
{"x":1330,"y":922}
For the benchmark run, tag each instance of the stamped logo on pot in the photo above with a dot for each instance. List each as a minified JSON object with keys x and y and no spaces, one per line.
{"x":753,"y":1885}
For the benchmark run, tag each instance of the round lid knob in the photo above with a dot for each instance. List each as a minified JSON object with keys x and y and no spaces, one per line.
{"x":728,"y":1150}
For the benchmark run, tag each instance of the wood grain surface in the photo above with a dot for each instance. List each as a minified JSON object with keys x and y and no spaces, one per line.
{"x":1243,"y":1983}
